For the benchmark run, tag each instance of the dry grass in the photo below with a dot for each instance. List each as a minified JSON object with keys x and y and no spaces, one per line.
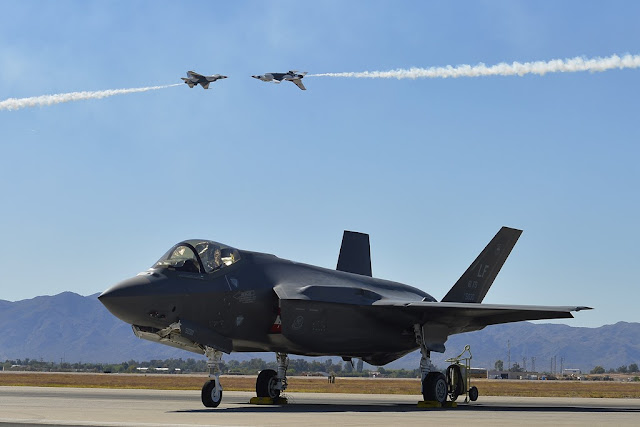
{"x":614,"y":389}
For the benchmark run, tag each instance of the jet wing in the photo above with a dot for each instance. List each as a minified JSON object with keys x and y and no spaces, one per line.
{"x":457,"y":316}
{"x":187,"y":81}
{"x":440,"y":319}
{"x":194,"y":74}
{"x":465,"y":317}
{"x":298,"y":83}
{"x":205,"y":85}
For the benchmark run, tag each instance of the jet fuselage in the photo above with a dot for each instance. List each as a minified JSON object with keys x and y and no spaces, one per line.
{"x":205,"y":295}
{"x":240,"y":302}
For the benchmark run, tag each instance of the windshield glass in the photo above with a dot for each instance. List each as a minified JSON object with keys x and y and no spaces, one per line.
{"x":198,"y":256}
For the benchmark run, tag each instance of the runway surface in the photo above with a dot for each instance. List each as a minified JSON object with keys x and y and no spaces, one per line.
{"x":27,"y":406}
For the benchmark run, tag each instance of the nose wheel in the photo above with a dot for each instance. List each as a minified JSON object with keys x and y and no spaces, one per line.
{"x":212,"y":389}
{"x":211,"y":393}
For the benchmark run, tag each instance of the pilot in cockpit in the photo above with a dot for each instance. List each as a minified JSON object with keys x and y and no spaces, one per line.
{"x":217,"y":259}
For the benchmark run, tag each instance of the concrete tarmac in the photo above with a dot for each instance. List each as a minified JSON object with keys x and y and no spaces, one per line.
{"x":37,"y":406}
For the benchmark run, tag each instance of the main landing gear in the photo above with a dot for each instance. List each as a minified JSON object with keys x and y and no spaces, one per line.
{"x":270,"y":383}
{"x":436,"y":387}
{"x":434,"y":383}
{"x":212,"y":389}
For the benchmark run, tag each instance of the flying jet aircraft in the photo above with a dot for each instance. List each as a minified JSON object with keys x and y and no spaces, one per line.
{"x":292,"y":76}
{"x":210,"y":298}
{"x":193,"y":79}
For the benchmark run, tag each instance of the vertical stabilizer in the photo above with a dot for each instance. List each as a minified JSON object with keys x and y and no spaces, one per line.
{"x":355,"y":255}
{"x":476,"y":281}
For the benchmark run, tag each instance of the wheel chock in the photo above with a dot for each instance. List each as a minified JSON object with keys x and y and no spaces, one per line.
{"x":429,"y":404}
{"x":450,"y":404}
{"x":268,"y":401}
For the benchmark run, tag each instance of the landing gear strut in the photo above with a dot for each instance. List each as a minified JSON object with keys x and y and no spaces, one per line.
{"x":271,"y":383}
{"x":212,"y":389}
{"x":434,"y":383}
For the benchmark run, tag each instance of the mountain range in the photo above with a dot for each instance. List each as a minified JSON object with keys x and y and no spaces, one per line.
{"x":77,"y":328}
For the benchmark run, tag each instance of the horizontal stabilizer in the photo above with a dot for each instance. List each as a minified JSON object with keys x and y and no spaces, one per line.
{"x":474,"y":284}
{"x":355,"y":255}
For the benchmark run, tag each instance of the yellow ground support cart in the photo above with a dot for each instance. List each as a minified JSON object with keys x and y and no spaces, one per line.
{"x":459,"y":377}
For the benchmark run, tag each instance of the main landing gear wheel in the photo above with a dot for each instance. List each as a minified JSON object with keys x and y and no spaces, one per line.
{"x":211,"y":395}
{"x":434,"y":387}
{"x":266,"y":384}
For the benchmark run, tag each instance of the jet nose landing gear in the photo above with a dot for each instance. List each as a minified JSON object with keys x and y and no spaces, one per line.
{"x":212,"y":393}
{"x":212,"y":389}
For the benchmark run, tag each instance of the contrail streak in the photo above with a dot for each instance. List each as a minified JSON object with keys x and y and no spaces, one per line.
{"x":35,"y":101}
{"x":569,"y":65}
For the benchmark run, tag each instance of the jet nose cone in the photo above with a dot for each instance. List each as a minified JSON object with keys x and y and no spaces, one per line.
{"x":126,"y":288}
{"x":256,"y":77}
{"x":123,"y":300}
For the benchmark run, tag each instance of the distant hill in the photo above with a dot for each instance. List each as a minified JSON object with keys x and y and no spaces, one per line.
{"x":80,"y":329}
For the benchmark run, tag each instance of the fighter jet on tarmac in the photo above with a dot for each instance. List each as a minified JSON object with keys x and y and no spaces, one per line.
{"x":193,"y":79}
{"x":292,"y":76}
{"x":209,"y":298}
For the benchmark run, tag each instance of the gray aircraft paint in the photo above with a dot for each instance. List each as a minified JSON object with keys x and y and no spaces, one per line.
{"x":194,"y":79}
{"x":292,"y":76}
{"x":320,"y":311}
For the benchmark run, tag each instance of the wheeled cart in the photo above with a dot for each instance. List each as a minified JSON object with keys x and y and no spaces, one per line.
{"x":459,"y":377}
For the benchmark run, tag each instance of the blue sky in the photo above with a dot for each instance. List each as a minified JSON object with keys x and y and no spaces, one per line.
{"x":95,"y":191}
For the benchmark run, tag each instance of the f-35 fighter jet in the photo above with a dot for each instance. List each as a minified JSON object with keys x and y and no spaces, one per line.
{"x":292,"y":76}
{"x":194,"y":79}
{"x":210,"y":298}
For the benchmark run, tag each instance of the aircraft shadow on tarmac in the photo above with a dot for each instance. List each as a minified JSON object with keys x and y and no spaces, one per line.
{"x":323,"y":407}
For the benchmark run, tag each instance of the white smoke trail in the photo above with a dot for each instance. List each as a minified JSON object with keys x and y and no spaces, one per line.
{"x":569,"y":65}
{"x":34,"y":101}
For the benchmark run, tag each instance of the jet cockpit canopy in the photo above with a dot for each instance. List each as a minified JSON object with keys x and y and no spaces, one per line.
{"x":198,"y":256}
